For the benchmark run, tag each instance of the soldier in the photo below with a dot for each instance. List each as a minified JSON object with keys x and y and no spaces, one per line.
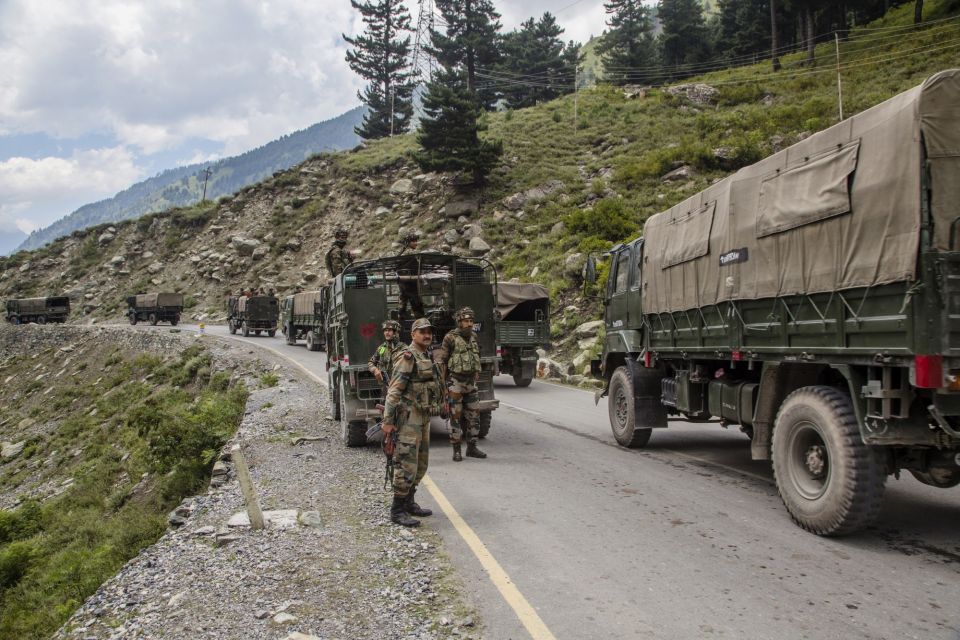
{"x":459,"y":360}
{"x":338,"y":258}
{"x":415,"y":394}
{"x":381,"y":362}
{"x":409,"y":290}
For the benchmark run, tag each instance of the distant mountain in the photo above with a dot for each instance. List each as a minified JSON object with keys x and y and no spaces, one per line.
{"x":9,"y":240}
{"x":184,"y":185}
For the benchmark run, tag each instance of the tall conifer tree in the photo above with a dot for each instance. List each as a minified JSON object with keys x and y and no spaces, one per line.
{"x":684,"y":38}
{"x":543,"y":67}
{"x":627,"y":49}
{"x":380,"y":55}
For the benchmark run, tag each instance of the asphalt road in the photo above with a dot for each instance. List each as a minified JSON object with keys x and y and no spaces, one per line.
{"x":686,"y":538}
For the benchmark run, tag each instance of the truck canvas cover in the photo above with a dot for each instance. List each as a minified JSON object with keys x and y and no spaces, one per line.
{"x":510,"y":294}
{"x":30,"y":305}
{"x":303,"y":302}
{"x":839,"y":210}
{"x":152,"y":300}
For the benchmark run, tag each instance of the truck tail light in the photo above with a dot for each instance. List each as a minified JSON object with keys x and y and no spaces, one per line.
{"x":929,"y":371}
{"x":346,"y":361}
{"x":499,"y":351}
{"x":647,"y":359}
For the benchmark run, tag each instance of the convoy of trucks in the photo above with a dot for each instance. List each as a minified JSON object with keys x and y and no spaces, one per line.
{"x":523,"y":326}
{"x":155,"y":307}
{"x":301,"y":315}
{"x":253,"y":314}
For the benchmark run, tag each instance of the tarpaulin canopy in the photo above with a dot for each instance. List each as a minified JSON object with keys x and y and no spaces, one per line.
{"x":510,"y":294}
{"x":303,"y":302}
{"x":150,"y":300}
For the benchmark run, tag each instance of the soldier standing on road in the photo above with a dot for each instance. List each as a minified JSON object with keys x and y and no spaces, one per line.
{"x":338,"y":258}
{"x":415,"y":394}
{"x":409,"y":289}
{"x":459,"y":360}
{"x":381,"y":362}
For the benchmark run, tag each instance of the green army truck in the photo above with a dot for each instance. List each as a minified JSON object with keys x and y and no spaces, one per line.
{"x":813,"y":299}
{"x":301,"y":316}
{"x":523,"y":326}
{"x":155,"y":307}
{"x":39,"y":310}
{"x":369,"y":292}
{"x":253,"y":314}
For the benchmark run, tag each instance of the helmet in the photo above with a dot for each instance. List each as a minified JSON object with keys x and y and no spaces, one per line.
{"x":409,"y":236}
{"x":421,"y":323}
{"x":464,"y":313}
{"x":390,"y":324}
{"x":341,"y":234}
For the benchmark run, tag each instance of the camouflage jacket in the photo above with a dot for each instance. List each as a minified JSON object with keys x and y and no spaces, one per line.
{"x":338,"y":259}
{"x":383,"y":357}
{"x":459,"y":355}
{"x":415,"y":384}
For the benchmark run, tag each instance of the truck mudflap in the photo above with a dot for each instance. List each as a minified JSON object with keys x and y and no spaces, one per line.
{"x":488,"y":405}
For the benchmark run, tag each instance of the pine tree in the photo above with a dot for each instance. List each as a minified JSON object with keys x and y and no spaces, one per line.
{"x":536,"y":65}
{"x":744,"y":28}
{"x":380,"y":55}
{"x":627,"y":49}
{"x":450,"y":129}
{"x":684,"y":38}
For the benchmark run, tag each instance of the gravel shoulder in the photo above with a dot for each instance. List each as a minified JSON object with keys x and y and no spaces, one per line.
{"x":342,"y":571}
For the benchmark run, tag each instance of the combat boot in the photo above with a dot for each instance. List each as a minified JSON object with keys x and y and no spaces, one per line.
{"x":457,"y":456}
{"x":414,"y":509}
{"x":399,"y":515}
{"x":474,"y":452}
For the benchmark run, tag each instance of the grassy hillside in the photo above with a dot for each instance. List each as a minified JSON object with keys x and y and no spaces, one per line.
{"x":610,"y":157}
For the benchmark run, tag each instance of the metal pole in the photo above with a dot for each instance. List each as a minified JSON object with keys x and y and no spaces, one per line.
{"x":576,"y":93}
{"x":836,"y":40}
{"x":206,"y":176}
{"x":392,"y":95}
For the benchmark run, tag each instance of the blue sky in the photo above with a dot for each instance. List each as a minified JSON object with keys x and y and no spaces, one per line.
{"x":96,"y":95}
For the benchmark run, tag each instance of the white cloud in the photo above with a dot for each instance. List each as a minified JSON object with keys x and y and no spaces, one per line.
{"x":26,"y":226}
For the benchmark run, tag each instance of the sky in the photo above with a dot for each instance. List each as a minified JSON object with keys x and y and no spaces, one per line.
{"x":96,"y":95}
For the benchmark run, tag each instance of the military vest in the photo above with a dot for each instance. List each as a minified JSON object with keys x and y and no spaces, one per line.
{"x":423,"y":390}
{"x":465,"y":359}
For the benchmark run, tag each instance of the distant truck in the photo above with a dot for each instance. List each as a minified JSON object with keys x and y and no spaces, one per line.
{"x":253,"y":314}
{"x":523,"y":326}
{"x":155,"y":307}
{"x":39,"y":310}
{"x":812,"y":299}
{"x":367,"y":293}
{"x":301,"y":315}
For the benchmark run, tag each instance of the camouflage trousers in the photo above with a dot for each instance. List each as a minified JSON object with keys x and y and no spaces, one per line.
{"x":464,"y":410}
{"x":413,"y":452}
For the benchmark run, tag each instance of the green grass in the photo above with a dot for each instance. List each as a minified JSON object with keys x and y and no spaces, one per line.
{"x":134,"y":445}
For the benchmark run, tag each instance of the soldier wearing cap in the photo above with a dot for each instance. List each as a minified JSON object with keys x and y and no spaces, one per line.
{"x":459,"y":360}
{"x":381,"y":362}
{"x":409,"y":289}
{"x":414,"y":395}
{"x":338,"y":258}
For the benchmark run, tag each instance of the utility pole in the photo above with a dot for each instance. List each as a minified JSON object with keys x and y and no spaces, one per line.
{"x":206,"y":176}
{"x":836,"y":40}
{"x":576,"y":93}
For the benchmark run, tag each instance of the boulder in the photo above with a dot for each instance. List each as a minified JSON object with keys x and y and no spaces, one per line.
{"x":146,"y":255}
{"x":402,"y":186}
{"x":573,"y":264}
{"x":683,"y":173}
{"x":457,"y":208}
{"x":105,"y":238}
{"x":535,"y":271}
{"x":293,"y":244}
{"x":588,"y":329}
{"x":517,"y":201}
{"x":451,"y":236}
{"x":244,"y":246}
{"x":155,"y":267}
{"x":10,"y":450}
{"x":116,"y":261}
{"x":700,"y":94}
{"x":558,"y":228}
{"x":381,"y":211}
{"x":260,"y":252}
{"x":423,"y":180}
{"x":472,"y":231}
{"x":547,"y":368}
{"x":582,"y":359}
{"x":478,"y":247}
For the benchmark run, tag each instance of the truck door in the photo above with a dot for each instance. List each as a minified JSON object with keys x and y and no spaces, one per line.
{"x":618,"y":305}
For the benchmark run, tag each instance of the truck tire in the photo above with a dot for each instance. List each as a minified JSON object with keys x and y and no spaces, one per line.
{"x":313,"y":344}
{"x":153,"y":319}
{"x":353,"y":432}
{"x":334,"y":396}
{"x":15,"y":319}
{"x":830,"y":481}
{"x":623,"y":414}
{"x":133,"y":318}
{"x":486,"y":419}
{"x":174,"y":321}
{"x":272,"y":332}
{"x":244,"y":329}
{"x":41,"y":319}
{"x":520,"y":381}
{"x":256,"y":332}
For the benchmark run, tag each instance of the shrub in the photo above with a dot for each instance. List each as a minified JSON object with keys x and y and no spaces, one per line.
{"x":608,"y":220}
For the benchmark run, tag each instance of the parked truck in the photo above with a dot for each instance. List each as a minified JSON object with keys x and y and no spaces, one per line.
{"x":523,"y":326}
{"x":253,"y":314}
{"x":301,"y":315}
{"x":39,"y":310}
{"x":155,"y":307}
{"x":369,"y":292}
{"x":813,"y":299}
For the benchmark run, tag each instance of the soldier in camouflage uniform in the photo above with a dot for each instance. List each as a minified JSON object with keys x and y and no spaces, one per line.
{"x":459,"y":360}
{"x":415,"y":394}
{"x":409,"y":290}
{"x":381,"y":362}
{"x":338,"y":258}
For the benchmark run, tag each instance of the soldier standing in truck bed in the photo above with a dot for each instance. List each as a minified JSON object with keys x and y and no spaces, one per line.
{"x":415,"y":394}
{"x":409,"y":268}
{"x":459,"y":360}
{"x":381,"y":362}
{"x":338,"y":258}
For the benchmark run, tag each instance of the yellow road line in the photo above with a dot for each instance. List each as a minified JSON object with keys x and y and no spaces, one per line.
{"x":527,"y":614}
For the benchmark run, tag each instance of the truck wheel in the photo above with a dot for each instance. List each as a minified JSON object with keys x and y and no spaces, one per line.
{"x":272,"y":332}
{"x":353,"y":432}
{"x":153,"y":319}
{"x":830,"y":482}
{"x":623,"y":412}
{"x":256,"y":332}
{"x":486,"y":419}
{"x":290,"y":335}
{"x":174,"y":321}
{"x":334,"y":396}
{"x":15,"y":320}
{"x":244,"y":329}
{"x":312,"y":343}
{"x":520,"y":381}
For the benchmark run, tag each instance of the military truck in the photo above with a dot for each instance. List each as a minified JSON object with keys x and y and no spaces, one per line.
{"x":301,"y":315}
{"x":155,"y":307}
{"x":523,"y":325}
{"x":253,"y":314}
{"x":813,"y":299}
{"x":369,"y":292}
{"x":39,"y":310}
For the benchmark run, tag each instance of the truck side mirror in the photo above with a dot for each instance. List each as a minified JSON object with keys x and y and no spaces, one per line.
{"x":590,"y":270}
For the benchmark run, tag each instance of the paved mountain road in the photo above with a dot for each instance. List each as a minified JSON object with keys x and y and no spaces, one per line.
{"x":686,"y":538}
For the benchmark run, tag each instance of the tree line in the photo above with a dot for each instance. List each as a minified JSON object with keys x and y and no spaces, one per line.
{"x":479,"y":67}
